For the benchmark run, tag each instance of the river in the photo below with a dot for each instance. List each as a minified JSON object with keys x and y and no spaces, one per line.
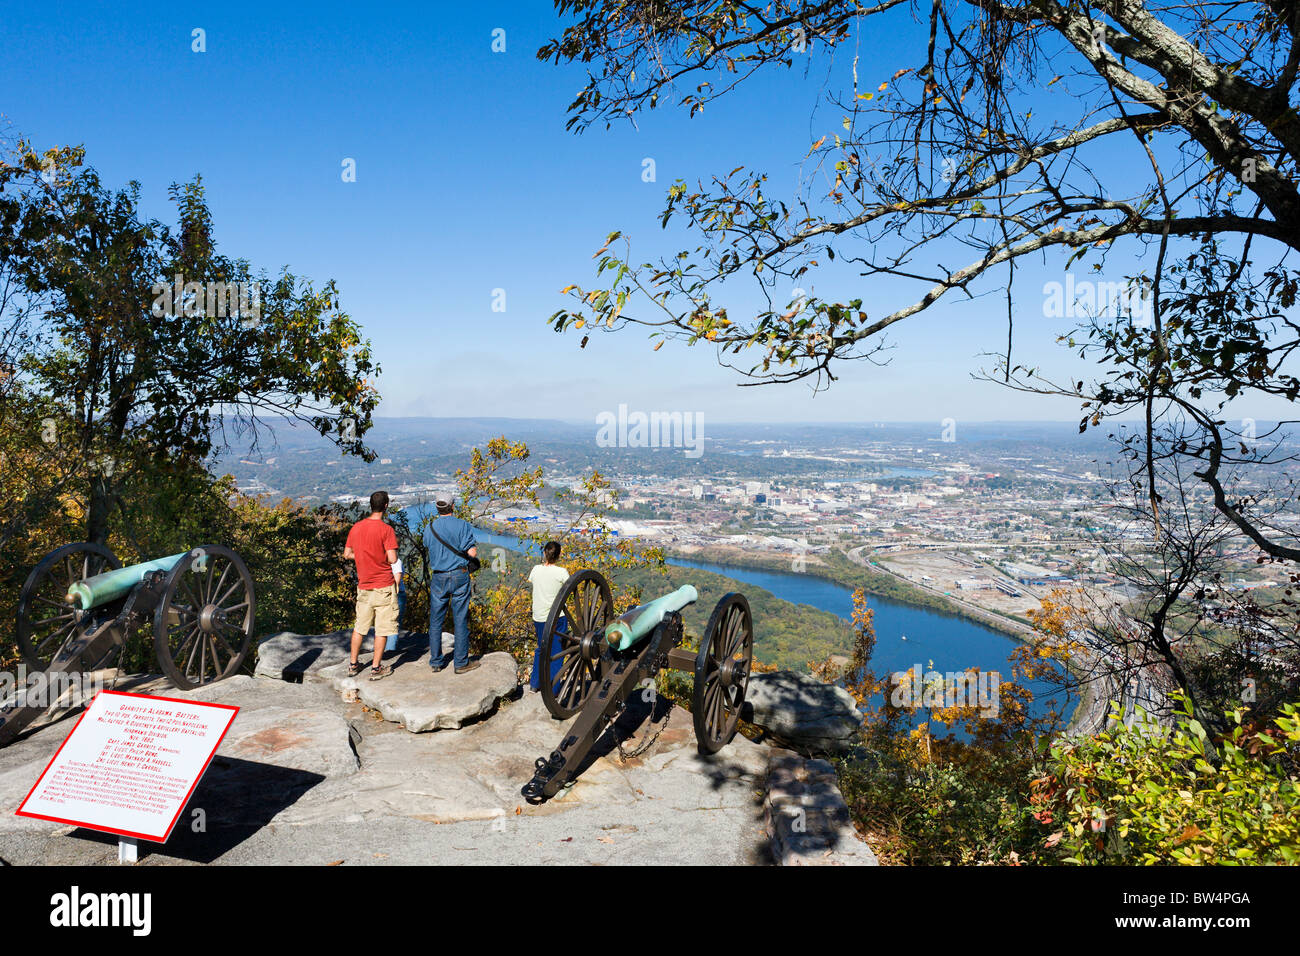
{"x":905,"y":635}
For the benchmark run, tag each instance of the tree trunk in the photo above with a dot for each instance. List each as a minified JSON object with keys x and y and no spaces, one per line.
{"x":101,"y":500}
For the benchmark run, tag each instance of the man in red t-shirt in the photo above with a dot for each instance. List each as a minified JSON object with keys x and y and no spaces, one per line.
{"x":372,"y":544}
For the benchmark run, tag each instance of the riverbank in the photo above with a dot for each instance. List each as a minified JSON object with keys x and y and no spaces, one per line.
{"x":842,"y":570}
{"x":839,"y":568}
{"x":950,"y":636}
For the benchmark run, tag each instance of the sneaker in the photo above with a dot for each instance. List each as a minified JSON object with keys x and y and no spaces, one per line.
{"x":438,"y":669}
{"x":380,"y":672}
{"x":468,"y":667}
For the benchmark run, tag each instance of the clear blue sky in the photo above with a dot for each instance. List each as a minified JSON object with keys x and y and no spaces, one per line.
{"x":466,"y":182}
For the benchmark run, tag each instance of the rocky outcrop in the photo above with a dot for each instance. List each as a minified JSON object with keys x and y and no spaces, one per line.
{"x":807,"y":816}
{"x":307,"y":777}
{"x":420,"y":700}
{"x":298,"y":657}
{"x":412,"y":696}
{"x":801,"y":712}
{"x":304,"y":778}
{"x":297,"y":728}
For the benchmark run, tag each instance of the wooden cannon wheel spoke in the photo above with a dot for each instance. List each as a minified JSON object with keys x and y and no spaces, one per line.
{"x":722,"y":673}
{"x":65,"y":616}
{"x":227,"y":593}
{"x":203,"y":626}
{"x":192,"y":642}
{"x":39,"y":634}
{"x":56,"y":638}
{"x":211,"y":641}
{"x":195,"y":600}
{"x":216,"y":637}
{"x":570,"y":659}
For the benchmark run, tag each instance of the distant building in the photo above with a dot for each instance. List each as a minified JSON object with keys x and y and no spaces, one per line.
{"x":1032,"y":574}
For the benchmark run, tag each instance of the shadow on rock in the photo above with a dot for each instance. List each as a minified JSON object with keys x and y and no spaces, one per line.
{"x":235,"y":799}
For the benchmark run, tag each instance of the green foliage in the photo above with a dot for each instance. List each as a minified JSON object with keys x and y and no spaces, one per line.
{"x":1146,"y":794}
{"x":968,"y":810}
{"x":114,"y":392}
{"x":144,"y":341}
{"x":927,"y":795}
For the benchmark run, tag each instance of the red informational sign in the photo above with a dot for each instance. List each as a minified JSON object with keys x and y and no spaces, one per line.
{"x":130,"y":764}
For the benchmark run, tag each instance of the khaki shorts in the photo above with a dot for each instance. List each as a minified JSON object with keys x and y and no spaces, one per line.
{"x":377,"y":608}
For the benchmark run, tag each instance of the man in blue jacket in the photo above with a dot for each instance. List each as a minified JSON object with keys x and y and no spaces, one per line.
{"x":451,"y":543}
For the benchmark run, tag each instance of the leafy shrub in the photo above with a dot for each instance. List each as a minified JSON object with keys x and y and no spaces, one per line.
{"x":968,"y":807}
{"x":948,"y":786}
{"x":1147,"y":794}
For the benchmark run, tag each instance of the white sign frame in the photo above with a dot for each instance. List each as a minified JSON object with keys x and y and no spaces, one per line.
{"x":124,"y":748}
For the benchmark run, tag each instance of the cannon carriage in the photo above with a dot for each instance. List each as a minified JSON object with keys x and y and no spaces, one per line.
{"x":592,"y":661}
{"x":79,"y":607}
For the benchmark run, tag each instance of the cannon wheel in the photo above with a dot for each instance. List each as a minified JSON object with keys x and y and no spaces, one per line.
{"x":45,"y":621}
{"x":203,"y":626}
{"x":722,"y":673}
{"x":586,"y":602}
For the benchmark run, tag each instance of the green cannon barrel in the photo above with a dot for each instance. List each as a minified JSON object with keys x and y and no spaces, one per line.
{"x":640,"y":621}
{"x":102,"y":588}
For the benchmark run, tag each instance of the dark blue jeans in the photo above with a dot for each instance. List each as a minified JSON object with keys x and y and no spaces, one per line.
{"x":561,"y":627}
{"x":449,"y":587}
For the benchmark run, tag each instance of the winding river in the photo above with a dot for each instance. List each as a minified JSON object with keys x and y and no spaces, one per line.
{"x":905,"y":635}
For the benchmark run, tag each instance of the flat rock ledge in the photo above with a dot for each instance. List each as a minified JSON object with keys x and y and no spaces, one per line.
{"x":304,"y":777}
{"x":807,"y":816}
{"x":301,"y":657}
{"x":422,"y":701}
{"x":413,"y":695}
{"x":802,"y":713}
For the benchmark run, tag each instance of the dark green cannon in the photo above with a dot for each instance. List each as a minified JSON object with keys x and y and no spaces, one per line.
{"x":593,"y":663}
{"x":79,"y":607}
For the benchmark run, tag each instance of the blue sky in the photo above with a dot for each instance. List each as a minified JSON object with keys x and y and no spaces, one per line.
{"x":466,"y":182}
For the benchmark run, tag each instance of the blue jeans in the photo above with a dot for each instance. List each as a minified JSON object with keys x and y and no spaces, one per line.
{"x":449,"y":587}
{"x":561,"y":627}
